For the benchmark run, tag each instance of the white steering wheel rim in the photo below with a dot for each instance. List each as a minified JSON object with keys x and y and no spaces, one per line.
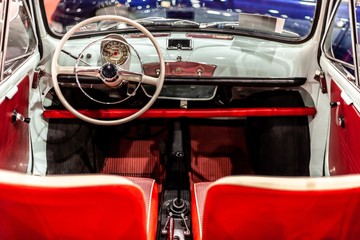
{"x":55,"y":70}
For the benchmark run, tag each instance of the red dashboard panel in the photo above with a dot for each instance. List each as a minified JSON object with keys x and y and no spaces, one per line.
{"x":192,"y":69}
{"x":14,"y":139}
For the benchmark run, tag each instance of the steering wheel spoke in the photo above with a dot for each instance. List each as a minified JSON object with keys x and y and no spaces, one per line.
{"x":81,"y":71}
{"x":130,"y":76}
{"x":131,"y":89}
{"x":88,"y":71}
{"x":68,"y":70}
{"x":150,"y":80}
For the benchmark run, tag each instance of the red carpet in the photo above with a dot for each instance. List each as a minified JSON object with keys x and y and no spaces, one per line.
{"x":217,"y":151}
{"x":135,"y":158}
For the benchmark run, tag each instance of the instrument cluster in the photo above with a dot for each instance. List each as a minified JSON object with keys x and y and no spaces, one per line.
{"x":114,"y":49}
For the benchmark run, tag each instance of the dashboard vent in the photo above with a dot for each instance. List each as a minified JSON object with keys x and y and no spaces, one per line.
{"x":179,"y":44}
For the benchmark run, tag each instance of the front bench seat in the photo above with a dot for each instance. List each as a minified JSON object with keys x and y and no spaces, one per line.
{"x":248,"y":207}
{"x":77,"y":207}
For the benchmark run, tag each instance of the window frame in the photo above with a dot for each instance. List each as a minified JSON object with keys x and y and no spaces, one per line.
{"x":5,"y":31}
{"x":326,"y":41}
{"x":4,"y":8}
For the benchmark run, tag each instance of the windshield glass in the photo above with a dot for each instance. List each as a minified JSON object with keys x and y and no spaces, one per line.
{"x":287,"y":18}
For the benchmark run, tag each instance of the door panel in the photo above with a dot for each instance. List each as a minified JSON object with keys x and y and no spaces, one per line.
{"x":344,"y":154}
{"x":339,"y":60}
{"x":20,"y":56}
{"x":14,"y":138}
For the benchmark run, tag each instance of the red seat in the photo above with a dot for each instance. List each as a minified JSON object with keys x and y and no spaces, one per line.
{"x":77,"y":207}
{"x":277,"y":208}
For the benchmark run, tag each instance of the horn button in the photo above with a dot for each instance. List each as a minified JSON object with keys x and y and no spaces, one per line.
{"x":109,"y":72}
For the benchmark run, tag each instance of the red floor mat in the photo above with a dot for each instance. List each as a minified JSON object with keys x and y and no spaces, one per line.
{"x":135,"y":158}
{"x":217,"y":151}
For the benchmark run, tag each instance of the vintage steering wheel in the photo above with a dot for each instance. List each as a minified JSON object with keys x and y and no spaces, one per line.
{"x":110,"y":73}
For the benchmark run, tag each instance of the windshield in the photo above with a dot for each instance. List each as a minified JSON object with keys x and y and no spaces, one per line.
{"x":287,"y":18}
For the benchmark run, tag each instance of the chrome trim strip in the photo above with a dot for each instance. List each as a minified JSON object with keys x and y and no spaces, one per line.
{"x":4,"y":37}
{"x":354,"y":38}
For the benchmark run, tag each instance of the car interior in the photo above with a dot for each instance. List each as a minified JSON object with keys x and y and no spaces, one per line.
{"x":198,"y":119}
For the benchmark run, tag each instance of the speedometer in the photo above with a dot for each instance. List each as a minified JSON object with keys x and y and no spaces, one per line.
{"x":115,"y":51}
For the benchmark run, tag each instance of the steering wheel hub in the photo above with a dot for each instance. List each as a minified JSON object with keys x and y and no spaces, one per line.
{"x":109,"y":72}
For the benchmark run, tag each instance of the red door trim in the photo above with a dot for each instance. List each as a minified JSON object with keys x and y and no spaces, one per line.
{"x":14,"y":140}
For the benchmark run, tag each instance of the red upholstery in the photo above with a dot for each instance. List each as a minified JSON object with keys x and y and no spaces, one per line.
{"x":77,"y":207}
{"x":150,"y":190}
{"x":277,"y":208}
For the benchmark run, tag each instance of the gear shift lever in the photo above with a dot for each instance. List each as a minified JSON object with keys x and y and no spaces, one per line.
{"x":178,"y":206}
{"x":179,"y":158}
{"x":178,"y":153}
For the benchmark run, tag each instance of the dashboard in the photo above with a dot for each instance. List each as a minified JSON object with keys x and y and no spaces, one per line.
{"x":196,"y":64}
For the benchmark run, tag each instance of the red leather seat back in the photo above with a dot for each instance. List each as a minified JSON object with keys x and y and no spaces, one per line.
{"x":72,"y":207}
{"x":281,"y":208}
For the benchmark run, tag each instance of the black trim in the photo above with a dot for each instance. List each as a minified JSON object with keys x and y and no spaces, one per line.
{"x":220,"y":81}
{"x":44,"y":20}
{"x":3,"y":30}
{"x":237,"y":81}
{"x":37,"y":28}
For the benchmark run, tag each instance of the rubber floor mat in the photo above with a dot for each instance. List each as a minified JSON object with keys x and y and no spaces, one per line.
{"x":70,"y":148}
{"x":217,"y":151}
